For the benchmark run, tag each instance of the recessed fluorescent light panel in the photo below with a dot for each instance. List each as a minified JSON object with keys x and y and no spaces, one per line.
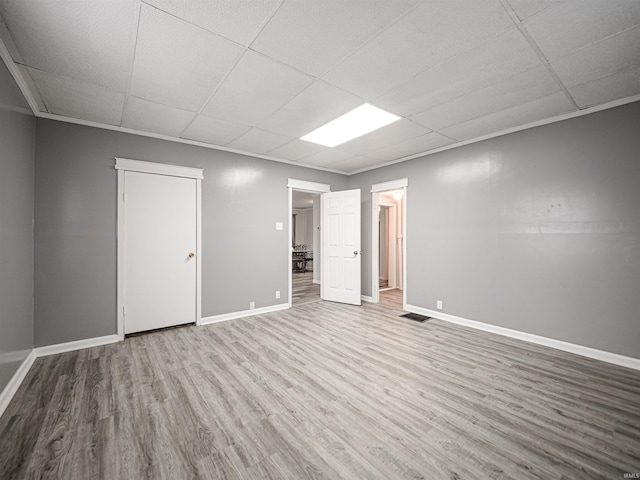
{"x":364,"y":119}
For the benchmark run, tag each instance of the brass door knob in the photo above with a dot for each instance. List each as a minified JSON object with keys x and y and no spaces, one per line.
{"x":191,"y":254}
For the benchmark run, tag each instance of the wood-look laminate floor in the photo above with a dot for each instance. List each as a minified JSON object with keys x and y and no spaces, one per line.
{"x":322,"y":390}
{"x":303,"y":290}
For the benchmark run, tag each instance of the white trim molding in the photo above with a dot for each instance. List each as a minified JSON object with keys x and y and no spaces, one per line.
{"x":76,"y":345}
{"x":609,"y":357}
{"x":304,"y":186}
{"x":244,"y":313}
{"x":158,"y":168}
{"x":366,"y":298}
{"x":16,"y":380}
{"x":390,"y":185}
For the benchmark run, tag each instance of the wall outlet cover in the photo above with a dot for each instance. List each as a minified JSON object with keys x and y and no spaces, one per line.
{"x":252,"y":305}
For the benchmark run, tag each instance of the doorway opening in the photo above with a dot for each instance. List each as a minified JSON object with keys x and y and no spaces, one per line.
{"x":388,"y":239}
{"x":304,"y":241}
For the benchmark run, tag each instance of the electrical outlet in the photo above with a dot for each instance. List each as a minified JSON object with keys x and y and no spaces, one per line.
{"x":252,"y":305}
{"x":439,"y":304}
{"x":277,"y":293}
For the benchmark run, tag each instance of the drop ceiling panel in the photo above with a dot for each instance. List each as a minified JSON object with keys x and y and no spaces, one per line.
{"x":521,"y":88}
{"x":551,"y":106}
{"x":606,"y":89}
{"x":313,"y":35}
{"x":601,"y":59}
{"x":321,"y":159}
{"x":241,"y":99}
{"x":442,"y":33}
{"x":236,"y":20}
{"x":498,"y":58}
{"x":526,"y":8}
{"x":315,"y":106}
{"x":296,"y":150}
{"x":177,"y":63}
{"x":354,"y":163}
{"x":393,"y":133}
{"x":411,"y":147}
{"x":211,"y":130}
{"x":146,"y":116}
{"x":68,"y":38}
{"x":573,"y":24}
{"x":80,"y":100}
{"x":259,"y":141}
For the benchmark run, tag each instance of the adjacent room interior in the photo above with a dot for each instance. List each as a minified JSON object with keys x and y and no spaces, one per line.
{"x":215,"y":218}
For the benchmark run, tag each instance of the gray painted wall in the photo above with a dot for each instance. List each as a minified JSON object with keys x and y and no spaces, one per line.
{"x":244,"y":258}
{"x":536,"y":231}
{"x":17,"y":145}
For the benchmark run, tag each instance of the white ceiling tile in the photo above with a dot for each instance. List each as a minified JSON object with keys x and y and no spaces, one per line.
{"x":296,"y":150}
{"x":606,"y":89}
{"x":177,"y":63}
{"x":526,"y":8}
{"x":547,"y":107}
{"x":233,"y":19}
{"x":600,"y":59}
{"x":498,"y":58}
{"x":431,"y":34}
{"x":568,"y":26}
{"x":258,"y":141}
{"x":315,"y":106}
{"x":146,"y":116}
{"x":393,"y":133}
{"x":412,"y":146}
{"x":91,"y":41}
{"x":255,"y":88}
{"x":211,"y":130}
{"x":354,"y":163}
{"x":324,"y":158}
{"x":313,"y":35}
{"x":79,"y":100}
{"x":521,"y":88}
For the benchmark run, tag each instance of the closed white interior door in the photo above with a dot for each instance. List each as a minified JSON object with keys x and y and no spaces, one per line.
{"x":341,"y":255}
{"x":159,"y":251}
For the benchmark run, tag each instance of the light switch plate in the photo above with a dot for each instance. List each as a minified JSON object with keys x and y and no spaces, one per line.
{"x":279,"y":226}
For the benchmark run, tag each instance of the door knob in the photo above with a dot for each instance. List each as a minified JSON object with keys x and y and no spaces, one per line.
{"x":191,"y":254}
{"x":355,"y":252}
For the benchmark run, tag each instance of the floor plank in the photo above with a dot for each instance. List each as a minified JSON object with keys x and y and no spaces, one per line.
{"x":322,"y":390}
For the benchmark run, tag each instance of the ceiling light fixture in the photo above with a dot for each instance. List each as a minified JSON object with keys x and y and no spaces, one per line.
{"x":364,"y":119}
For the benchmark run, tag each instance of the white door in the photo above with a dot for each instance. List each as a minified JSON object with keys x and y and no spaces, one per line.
{"x":159,"y":251}
{"x":341,"y":247}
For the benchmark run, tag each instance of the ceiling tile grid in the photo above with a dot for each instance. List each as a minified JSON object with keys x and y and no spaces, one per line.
{"x":256,"y":75}
{"x":179,"y":64}
{"x":242,"y":99}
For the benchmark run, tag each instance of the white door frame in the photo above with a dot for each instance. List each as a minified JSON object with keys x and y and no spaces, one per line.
{"x":123,"y":165}
{"x":309,"y":187}
{"x":399,"y":184}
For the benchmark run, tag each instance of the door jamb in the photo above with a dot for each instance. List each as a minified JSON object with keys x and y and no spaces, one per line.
{"x":309,"y":187}
{"x":123,"y":165}
{"x":399,"y":184}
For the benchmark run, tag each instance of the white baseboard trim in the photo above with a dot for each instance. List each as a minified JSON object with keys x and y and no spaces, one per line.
{"x":616,"y":359}
{"x":77,"y":345}
{"x":366,"y":298}
{"x":244,"y":313}
{"x":12,"y":387}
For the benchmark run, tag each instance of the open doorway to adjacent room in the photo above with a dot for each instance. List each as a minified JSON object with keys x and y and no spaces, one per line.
{"x":305,"y":247}
{"x":388,"y":238}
